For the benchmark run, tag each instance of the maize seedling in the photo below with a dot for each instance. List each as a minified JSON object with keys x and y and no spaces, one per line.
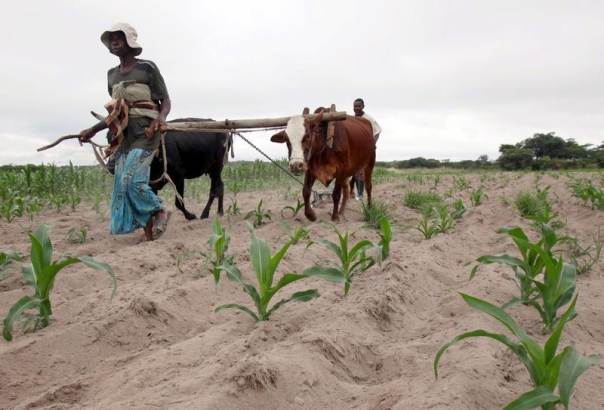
{"x":444,"y":220}
{"x":372,"y":215}
{"x":352,"y":260}
{"x":219,"y":246}
{"x":265,"y":266}
{"x":6,"y":259}
{"x":477,"y":196}
{"x":78,"y":235}
{"x":385,"y":237}
{"x":459,"y":209}
{"x":546,"y":369}
{"x":233,"y":209}
{"x":427,"y":227}
{"x":531,"y":264}
{"x":293,"y":209}
{"x":260,"y":216}
{"x":585,"y":257}
{"x":555,"y":290}
{"x":41,"y":275}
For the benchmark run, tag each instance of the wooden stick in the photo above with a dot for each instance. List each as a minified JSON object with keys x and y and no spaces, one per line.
{"x":242,"y":124}
{"x":57,"y":142}
{"x":223,"y":126}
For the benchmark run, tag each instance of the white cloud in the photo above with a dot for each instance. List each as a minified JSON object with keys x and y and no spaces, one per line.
{"x":446,"y":80}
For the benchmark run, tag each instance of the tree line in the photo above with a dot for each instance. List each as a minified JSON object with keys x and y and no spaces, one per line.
{"x":540,"y":152}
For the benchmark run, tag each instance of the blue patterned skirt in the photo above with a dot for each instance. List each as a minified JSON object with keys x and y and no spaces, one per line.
{"x":132,"y":202}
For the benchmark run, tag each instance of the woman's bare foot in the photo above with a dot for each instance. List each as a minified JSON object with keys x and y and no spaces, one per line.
{"x":161,"y":223}
{"x":149,"y":228}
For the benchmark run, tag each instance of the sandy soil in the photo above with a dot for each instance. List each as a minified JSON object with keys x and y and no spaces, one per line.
{"x":159,"y":344}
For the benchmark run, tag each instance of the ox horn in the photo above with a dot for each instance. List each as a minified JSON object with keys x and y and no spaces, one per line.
{"x":305,"y":111}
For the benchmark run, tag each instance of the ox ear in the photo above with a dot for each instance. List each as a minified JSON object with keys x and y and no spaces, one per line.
{"x":306,"y":111}
{"x":279,"y":137}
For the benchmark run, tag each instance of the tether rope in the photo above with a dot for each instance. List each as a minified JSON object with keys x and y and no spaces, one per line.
{"x":317,"y":196}
{"x":275,"y":163}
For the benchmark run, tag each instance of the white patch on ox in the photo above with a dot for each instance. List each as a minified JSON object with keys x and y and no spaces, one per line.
{"x":295,"y":132}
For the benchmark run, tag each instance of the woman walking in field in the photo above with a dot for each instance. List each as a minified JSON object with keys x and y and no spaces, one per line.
{"x":139,"y":105}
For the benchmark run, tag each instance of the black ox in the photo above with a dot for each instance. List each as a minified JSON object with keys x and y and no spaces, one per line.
{"x":191,"y":154}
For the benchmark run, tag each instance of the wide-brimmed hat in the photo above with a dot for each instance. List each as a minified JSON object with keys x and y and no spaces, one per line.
{"x":129,"y":33}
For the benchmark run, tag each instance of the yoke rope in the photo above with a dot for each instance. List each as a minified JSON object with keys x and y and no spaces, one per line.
{"x":317,"y":196}
{"x":275,"y":163}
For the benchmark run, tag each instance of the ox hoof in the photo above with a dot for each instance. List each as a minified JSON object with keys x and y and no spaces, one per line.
{"x":204,"y":216}
{"x":311,"y":216}
{"x":335,"y":218}
{"x":190,"y":217}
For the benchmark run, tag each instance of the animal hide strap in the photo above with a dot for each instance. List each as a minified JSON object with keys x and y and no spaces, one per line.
{"x":331,"y":128}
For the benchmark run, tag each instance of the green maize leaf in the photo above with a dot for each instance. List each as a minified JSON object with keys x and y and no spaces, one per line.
{"x":334,"y":248}
{"x":510,"y":302}
{"x":236,"y":306}
{"x":531,"y":346}
{"x":37,"y":257}
{"x":7,"y":257}
{"x":474,"y":270}
{"x":359,"y":247}
{"x":261,"y":255}
{"x":218,"y":245}
{"x":537,"y":397}
{"x":557,"y":288}
{"x":515,"y":347}
{"x":565,"y":298}
{"x":286,"y":280}
{"x":276,"y":259}
{"x":14,"y":313}
{"x":288,"y":208}
{"x":343,"y":245}
{"x":386,"y":238}
{"x":42,"y":234}
{"x":46,"y":278}
{"x":550,"y":263}
{"x":330,"y":274}
{"x":549,"y":236}
{"x":299,"y":234}
{"x":567,"y":280}
{"x":234,"y":274}
{"x":94,"y":264}
{"x":542,"y":313}
{"x":553,"y":372}
{"x":346,"y":287}
{"x":572,"y":366}
{"x":513,"y":231}
{"x":504,"y":259}
{"x":551,"y":345}
{"x":303,"y":296}
{"x":366,"y":262}
{"x":556,"y":282}
{"x":28,"y":275}
{"x":216,"y":274}
{"x":216,"y":227}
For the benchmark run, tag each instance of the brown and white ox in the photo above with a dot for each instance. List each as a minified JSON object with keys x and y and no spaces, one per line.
{"x":352,"y":150}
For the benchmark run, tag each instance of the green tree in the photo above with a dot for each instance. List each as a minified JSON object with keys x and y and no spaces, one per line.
{"x":514,"y":157}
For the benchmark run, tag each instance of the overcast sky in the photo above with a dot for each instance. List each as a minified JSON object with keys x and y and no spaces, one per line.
{"x":445,"y":79}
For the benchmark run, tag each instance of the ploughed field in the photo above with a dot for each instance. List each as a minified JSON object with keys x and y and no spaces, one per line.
{"x":160,"y":344}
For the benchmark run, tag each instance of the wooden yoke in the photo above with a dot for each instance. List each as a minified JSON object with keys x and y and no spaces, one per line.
{"x":224,"y":126}
{"x":245,"y":124}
